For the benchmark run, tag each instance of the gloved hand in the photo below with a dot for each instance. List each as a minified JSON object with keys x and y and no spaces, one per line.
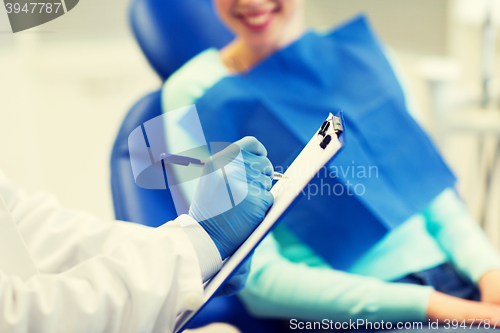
{"x":244,"y":169}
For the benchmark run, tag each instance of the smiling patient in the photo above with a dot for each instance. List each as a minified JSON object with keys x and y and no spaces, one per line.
{"x":403,"y":249}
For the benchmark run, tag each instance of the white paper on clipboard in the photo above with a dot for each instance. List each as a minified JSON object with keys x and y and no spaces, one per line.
{"x":305,"y":166}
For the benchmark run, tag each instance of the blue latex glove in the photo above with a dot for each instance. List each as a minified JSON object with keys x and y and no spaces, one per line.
{"x":244,"y":169}
{"x":237,"y":281}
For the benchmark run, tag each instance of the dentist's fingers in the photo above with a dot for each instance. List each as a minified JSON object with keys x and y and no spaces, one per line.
{"x":252,"y":145}
{"x":257,"y":164}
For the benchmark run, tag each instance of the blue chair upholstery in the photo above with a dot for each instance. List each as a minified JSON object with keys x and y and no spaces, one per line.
{"x":132,"y":203}
{"x":170,"y":32}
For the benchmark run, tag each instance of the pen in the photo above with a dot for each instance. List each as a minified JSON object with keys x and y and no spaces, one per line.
{"x":184,"y":160}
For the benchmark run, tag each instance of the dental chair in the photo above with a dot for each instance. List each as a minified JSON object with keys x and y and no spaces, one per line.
{"x":170,"y":32}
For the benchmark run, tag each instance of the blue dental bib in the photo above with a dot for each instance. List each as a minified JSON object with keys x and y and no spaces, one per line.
{"x":388,"y":170}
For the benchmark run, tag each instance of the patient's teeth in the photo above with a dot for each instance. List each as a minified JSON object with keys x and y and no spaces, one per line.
{"x":257,"y":20}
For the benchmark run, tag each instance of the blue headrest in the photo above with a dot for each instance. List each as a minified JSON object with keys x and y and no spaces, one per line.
{"x":170,"y":32}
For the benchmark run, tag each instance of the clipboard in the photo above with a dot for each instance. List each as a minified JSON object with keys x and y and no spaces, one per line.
{"x":325,"y":143}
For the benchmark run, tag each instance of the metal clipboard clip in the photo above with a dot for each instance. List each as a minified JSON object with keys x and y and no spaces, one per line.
{"x":333,"y":125}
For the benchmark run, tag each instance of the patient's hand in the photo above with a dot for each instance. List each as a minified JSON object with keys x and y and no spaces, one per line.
{"x":443,"y":307}
{"x":489,"y":285}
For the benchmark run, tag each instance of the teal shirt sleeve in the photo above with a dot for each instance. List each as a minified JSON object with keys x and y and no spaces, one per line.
{"x":279,"y":288}
{"x":449,"y":221}
{"x":192,"y":80}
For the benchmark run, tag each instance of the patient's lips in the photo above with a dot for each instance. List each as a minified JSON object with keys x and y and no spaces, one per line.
{"x":258,"y":21}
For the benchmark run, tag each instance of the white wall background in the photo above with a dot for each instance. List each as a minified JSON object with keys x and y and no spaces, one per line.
{"x":64,"y":90}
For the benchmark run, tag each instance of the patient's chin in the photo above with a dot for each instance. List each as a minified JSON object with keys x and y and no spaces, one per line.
{"x":265,"y":41}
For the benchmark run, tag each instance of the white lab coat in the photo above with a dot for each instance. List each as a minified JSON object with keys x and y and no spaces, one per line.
{"x":94,"y":275}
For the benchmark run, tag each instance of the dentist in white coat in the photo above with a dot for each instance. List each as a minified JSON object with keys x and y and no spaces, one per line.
{"x":67,"y":271}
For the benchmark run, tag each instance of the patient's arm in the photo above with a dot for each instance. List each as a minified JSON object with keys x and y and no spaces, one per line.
{"x":460,"y":236}
{"x":279,"y":288}
{"x":490,"y":287}
{"x":443,"y":307}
